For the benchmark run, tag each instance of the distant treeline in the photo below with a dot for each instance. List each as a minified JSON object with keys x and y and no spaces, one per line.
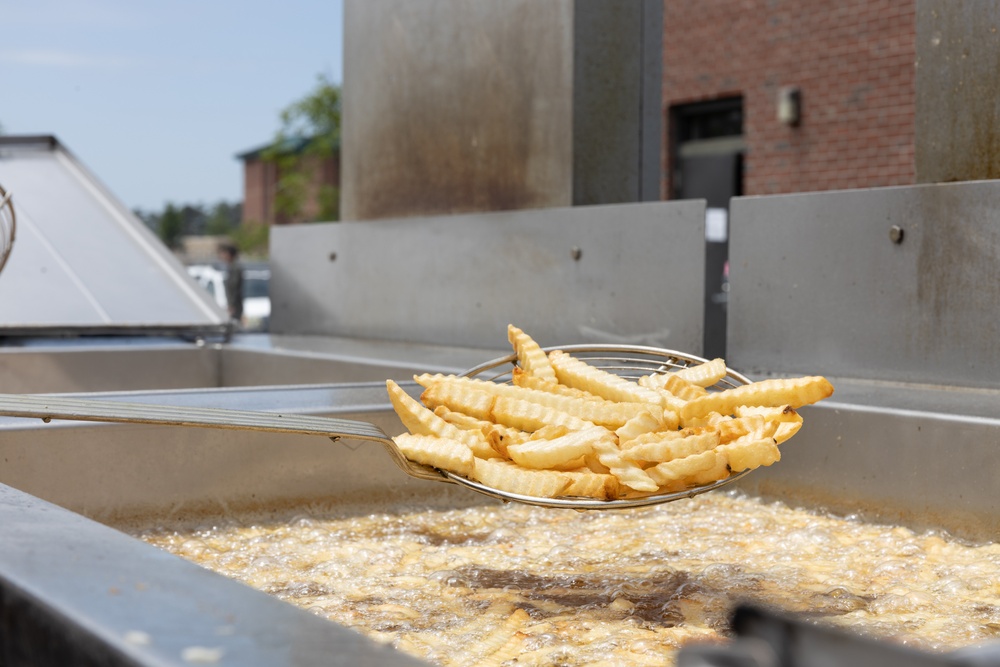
{"x":176,"y":220}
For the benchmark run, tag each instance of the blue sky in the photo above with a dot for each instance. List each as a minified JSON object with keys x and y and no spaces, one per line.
{"x":157,"y":97}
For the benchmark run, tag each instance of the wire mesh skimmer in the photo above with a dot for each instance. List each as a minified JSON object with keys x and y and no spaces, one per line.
{"x":8,"y":226}
{"x":628,"y":361}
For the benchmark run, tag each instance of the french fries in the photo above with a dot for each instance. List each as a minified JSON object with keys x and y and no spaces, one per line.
{"x":565,"y":428}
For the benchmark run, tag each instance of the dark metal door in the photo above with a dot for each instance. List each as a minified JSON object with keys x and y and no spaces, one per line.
{"x":715,"y":178}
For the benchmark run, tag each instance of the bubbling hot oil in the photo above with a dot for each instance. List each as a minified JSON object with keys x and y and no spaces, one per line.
{"x":515,"y":583}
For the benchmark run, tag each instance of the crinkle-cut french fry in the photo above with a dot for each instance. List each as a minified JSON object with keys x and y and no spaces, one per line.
{"x":587,"y":484}
{"x":428,"y":380}
{"x":521,"y":379}
{"x":628,"y":472}
{"x":670,"y":403}
{"x":786,"y":430}
{"x":644,"y":422}
{"x":443,"y":453}
{"x":765,"y":430}
{"x":576,"y":373}
{"x":712,"y":419}
{"x":719,"y":471}
{"x":510,"y":477}
{"x":795,"y":392}
{"x":704,"y":375}
{"x":421,"y":421}
{"x":668,"y":449}
{"x":467,"y":423}
{"x":671,"y":420}
{"x":593,"y":465}
{"x":571,"y":465}
{"x":783,"y":413}
{"x":530,"y":356}
{"x":501,"y":437}
{"x":658,"y":436}
{"x":745,"y":453}
{"x":461,"y":420}
{"x":474,"y":403}
{"x":540,"y":454}
{"x":605,"y":413}
{"x":789,"y":421}
{"x":670,"y":473}
{"x":674,"y":384}
{"x":549,"y":432}
{"x":730,"y":429}
{"x":529,"y":416}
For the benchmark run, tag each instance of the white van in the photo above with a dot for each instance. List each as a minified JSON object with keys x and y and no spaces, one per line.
{"x":256,"y":282}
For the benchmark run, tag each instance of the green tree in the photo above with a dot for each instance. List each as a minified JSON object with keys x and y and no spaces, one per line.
{"x":171,"y":226}
{"x":223,"y":219}
{"x":310,"y":128}
{"x":252,"y":240}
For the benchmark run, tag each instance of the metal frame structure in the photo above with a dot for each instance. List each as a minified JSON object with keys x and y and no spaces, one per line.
{"x":85,"y":265}
{"x":595,"y":274}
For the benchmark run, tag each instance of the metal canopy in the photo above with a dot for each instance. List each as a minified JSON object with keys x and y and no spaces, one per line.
{"x":82,"y":262}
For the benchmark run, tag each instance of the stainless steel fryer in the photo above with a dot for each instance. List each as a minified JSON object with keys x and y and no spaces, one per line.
{"x":907,"y":438}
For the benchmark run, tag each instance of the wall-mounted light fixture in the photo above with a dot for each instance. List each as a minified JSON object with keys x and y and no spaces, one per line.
{"x":789,"y":105}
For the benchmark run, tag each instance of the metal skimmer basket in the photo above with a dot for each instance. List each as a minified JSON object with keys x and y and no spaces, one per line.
{"x":630,"y":362}
{"x":626,"y":360}
{"x":8,"y":225}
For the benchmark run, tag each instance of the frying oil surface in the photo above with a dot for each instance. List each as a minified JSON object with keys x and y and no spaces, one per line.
{"x":547,"y":587}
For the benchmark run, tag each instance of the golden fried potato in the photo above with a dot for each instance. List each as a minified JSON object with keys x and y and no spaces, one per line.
{"x":730,"y":429}
{"x":550,"y":432}
{"x":587,"y":484}
{"x":644,"y":422}
{"x":669,"y":473}
{"x":628,"y":472}
{"x":474,"y":403}
{"x":530,"y":357}
{"x":605,"y":413}
{"x":795,"y":392}
{"x":521,"y":379}
{"x":541,"y":454}
{"x":674,"y":384}
{"x":443,"y":453}
{"x":565,"y":427}
{"x":671,"y":445}
{"x":576,"y":373}
{"x":786,"y":430}
{"x":512,"y":478}
{"x":704,"y":375}
{"x":501,"y":437}
{"x":529,"y":416}
{"x":746,"y":453}
{"x":419,"y":420}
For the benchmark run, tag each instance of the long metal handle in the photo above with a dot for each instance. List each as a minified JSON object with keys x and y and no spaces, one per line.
{"x":47,"y":408}
{"x":58,"y":407}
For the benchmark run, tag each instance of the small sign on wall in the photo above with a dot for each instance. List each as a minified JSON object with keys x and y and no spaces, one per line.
{"x":716,"y":225}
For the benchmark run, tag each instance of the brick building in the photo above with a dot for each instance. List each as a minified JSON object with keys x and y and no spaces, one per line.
{"x":849,"y":65}
{"x":320,"y":178}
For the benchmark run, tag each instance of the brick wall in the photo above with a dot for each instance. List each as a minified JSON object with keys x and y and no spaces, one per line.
{"x":259,"y":180}
{"x":260,"y":184}
{"x":853,"y":60}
